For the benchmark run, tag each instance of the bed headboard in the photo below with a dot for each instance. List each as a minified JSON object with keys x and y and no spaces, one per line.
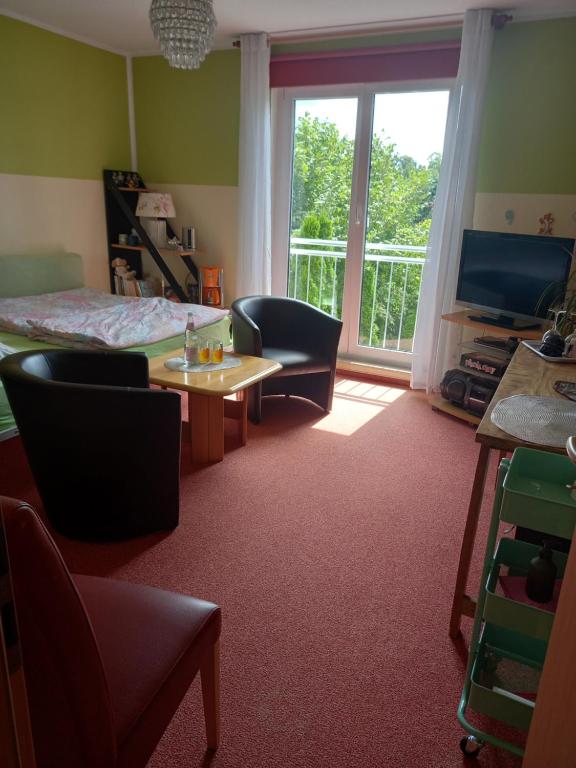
{"x":29,"y":275}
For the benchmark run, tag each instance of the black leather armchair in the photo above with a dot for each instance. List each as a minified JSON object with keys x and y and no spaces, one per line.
{"x":93,"y":431}
{"x":297,"y":335}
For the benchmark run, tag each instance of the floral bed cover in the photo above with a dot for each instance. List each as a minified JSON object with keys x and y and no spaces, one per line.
{"x":91,"y":319}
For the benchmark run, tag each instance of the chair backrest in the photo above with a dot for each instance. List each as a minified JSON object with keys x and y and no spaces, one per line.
{"x":117,"y":448}
{"x":285,"y":322}
{"x":90,"y":367}
{"x":67,"y":691}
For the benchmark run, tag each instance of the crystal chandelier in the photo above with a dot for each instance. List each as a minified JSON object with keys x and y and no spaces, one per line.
{"x":184,"y":29}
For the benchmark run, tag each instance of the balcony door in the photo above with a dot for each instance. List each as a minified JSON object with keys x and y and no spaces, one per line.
{"x":354,"y":180}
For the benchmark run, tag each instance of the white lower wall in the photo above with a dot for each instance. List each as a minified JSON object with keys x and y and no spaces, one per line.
{"x":213,"y":211}
{"x":490,"y":209}
{"x":41,"y":214}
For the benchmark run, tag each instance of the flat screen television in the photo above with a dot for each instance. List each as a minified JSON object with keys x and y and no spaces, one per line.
{"x":512,"y":278}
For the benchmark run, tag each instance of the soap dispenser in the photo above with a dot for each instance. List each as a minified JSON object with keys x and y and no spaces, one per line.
{"x":541,"y":576}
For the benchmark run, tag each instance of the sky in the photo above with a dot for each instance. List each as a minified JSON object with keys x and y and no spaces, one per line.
{"x":413,"y":121}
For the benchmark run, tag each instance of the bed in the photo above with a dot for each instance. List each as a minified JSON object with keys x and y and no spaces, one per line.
{"x":52,"y":280}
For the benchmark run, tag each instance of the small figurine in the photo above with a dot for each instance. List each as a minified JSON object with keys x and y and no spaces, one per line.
{"x":118,"y":178}
{"x":122,"y":269}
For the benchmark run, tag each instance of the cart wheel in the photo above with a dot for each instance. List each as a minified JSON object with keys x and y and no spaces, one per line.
{"x":470,"y":746}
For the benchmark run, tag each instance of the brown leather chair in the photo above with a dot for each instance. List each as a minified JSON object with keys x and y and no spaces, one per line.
{"x":106,"y":663}
{"x":94,"y":430}
{"x":297,"y":335}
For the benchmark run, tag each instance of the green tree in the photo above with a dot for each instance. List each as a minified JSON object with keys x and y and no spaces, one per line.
{"x":400,"y":200}
{"x":310,"y":227}
{"x":322,"y":174}
{"x":326,"y":227}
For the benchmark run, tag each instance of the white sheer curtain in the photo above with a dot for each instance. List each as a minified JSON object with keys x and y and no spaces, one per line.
{"x":254,"y":270}
{"x":454,"y":206}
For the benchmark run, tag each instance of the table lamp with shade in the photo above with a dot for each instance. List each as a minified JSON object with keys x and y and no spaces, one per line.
{"x":154,"y":208}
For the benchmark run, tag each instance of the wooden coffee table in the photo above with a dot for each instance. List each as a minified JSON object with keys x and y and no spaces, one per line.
{"x":207,"y":407}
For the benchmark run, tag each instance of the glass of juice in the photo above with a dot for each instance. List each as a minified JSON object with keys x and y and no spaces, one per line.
{"x":203,"y":351}
{"x":216,"y":352}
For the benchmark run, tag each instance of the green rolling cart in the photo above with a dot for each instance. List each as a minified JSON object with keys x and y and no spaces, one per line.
{"x":534,"y":491}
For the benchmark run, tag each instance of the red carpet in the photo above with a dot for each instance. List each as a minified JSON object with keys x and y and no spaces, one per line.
{"x":331,"y":544}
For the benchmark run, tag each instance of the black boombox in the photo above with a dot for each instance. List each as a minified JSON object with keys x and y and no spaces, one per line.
{"x":473,"y":393}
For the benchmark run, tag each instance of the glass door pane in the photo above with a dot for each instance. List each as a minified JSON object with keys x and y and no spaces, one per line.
{"x":406,"y":146}
{"x":322,"y":167}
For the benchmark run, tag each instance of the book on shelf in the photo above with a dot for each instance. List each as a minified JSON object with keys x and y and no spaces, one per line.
{"x":129,"y":286}
{"x":147,"y":288}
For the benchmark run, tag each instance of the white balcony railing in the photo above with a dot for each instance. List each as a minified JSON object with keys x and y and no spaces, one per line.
{"x":390,"y":286}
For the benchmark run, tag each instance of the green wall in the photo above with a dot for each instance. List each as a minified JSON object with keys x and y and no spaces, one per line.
{"x":529,"y":133}
{"x":188,"y":121}
{"x":64,"y":105}
{"x":65,"y":109}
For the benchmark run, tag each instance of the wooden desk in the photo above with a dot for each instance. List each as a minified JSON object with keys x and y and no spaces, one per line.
{"x":527,"y":374}
{"x":206,"y":404}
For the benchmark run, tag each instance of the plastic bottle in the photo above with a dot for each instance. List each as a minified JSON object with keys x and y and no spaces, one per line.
{"x":191,"y":342}
{"x":541,"y":576}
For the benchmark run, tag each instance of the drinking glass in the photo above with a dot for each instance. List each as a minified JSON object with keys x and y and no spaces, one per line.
{"x":216,"y":352}
{"x":204,"y":351}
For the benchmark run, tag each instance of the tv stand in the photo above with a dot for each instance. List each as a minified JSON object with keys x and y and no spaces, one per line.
{"x":482,"y":328}
{"x":505,"y":321}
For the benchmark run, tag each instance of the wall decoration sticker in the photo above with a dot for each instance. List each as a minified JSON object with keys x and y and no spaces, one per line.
{"x":546,"y":224}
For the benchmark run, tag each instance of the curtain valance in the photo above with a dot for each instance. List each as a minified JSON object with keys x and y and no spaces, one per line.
{"x":366,"y":65}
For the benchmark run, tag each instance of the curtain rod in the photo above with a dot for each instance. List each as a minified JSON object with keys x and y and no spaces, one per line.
{"x":499,"y":20}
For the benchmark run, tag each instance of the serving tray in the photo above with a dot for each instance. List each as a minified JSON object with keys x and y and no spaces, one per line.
{"x":534,"y":346}
{"x":180,"y":364}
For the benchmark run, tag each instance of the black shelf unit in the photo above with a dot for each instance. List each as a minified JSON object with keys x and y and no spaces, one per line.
{"x":121,"y":189}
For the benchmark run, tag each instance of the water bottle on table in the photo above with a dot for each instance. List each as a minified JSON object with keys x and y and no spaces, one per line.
{"x":191,"y":342}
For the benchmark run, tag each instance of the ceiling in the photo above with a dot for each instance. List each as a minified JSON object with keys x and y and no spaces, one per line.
{"x":122,"y":25}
